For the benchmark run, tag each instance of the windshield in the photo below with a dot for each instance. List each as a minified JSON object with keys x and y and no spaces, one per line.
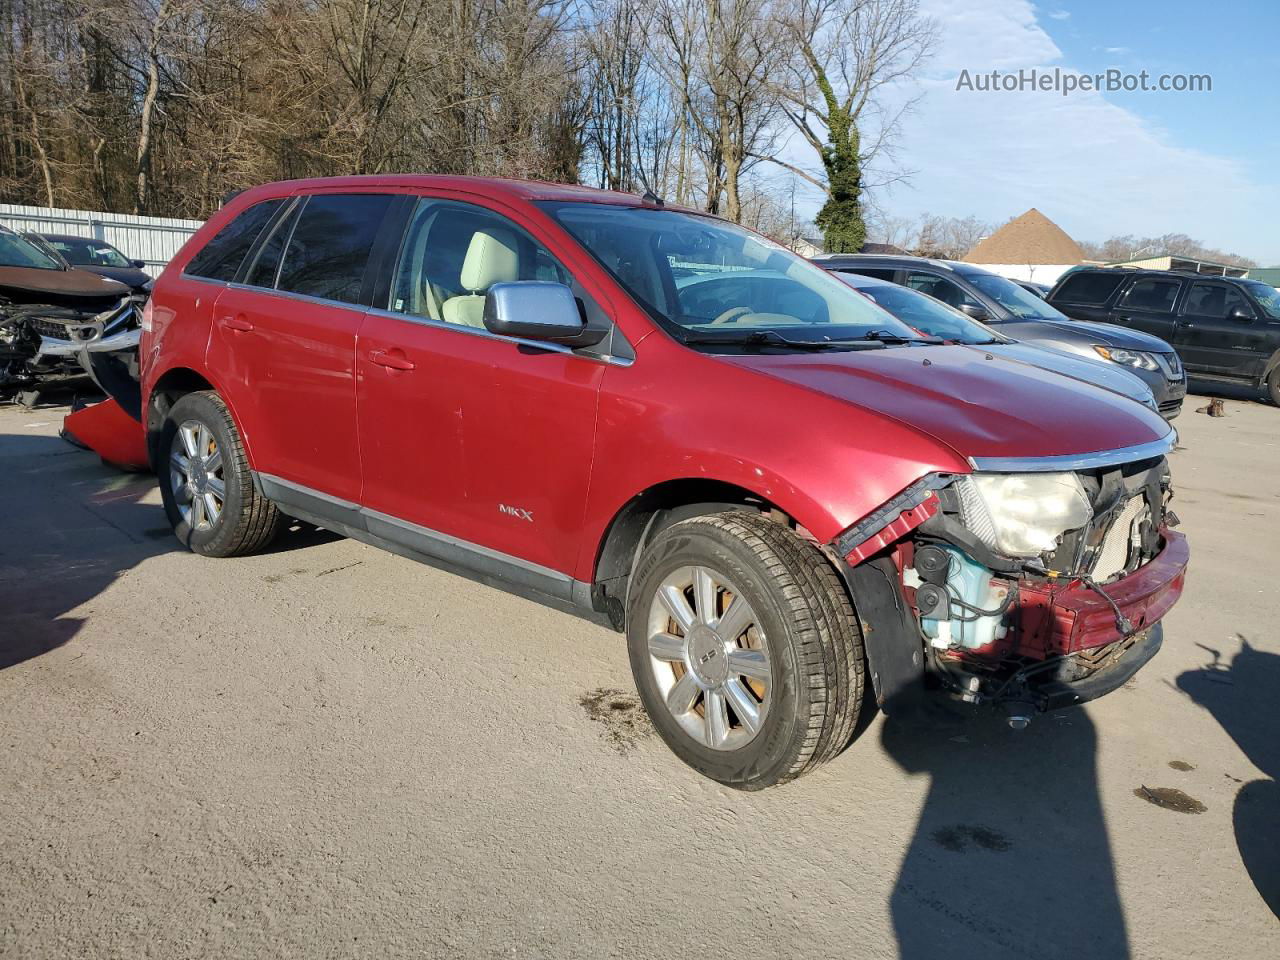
{"x":17,"y":252}
{"x":88,"y":253}
{"x":1023,"y":304}
{"x":1268,"y":297}
{"x":925,"y":313}
{"x":706,"y":280}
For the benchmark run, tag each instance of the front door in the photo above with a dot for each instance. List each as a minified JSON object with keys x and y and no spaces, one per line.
{"x":1211,"y":340}
{"x":472,"y":441}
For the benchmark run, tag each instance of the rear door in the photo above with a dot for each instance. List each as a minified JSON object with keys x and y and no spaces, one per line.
{"x":284,"y":335}
{"x":1148,"y":306}
{"x":1210,"y":340}
{"x":475,"y":445}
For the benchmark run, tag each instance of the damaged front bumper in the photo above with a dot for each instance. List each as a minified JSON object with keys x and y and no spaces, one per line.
{"x":939,"y":609}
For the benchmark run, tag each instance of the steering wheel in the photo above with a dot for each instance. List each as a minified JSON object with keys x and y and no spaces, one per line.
{"x":733,"y":313}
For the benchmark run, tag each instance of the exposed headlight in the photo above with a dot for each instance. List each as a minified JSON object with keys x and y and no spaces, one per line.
{"x":1022,"y":514}
{"x":1129,"y":358}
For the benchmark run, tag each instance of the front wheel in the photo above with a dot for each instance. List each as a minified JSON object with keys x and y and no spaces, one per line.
{"x":1273,"y":386}
{"x":745,"y":649}
{"x":205,"y":482}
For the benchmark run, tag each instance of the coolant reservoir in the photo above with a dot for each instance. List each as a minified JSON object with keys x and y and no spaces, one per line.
{"x":973,"y":583}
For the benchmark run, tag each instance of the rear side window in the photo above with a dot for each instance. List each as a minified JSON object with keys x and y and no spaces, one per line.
{"x":1090,"y":289}
{"x":1152,"y":293}
{"x":330,"y":245}
{"x":870,"y":272}
{"x":221,"y":256}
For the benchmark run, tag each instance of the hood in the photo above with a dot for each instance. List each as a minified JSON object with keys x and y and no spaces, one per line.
{"x":131,"y":277}
{"x":1108,"y":334}
{"x":1100,"y":373}
{"x":32,"y":283}
{"x":979,"y":407}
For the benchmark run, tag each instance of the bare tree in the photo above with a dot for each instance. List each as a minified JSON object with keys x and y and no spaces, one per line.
{"x":846,"y":53}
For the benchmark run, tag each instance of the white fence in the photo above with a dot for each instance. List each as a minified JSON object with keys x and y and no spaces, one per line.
{"x":150,"y":239}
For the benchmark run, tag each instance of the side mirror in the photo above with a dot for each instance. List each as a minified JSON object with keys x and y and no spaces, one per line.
{"x":537,"y":310}
{"x":974,"y":311}
{"x":1241,"y":314}
{"x":140,"y":264}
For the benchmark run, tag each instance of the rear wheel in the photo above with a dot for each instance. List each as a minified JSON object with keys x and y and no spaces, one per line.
{"x":745,"y":649}
{"x":206,"y":484}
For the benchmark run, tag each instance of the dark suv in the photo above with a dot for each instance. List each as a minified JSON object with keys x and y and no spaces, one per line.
{"x":1224,"y":328}
{"x":1022,"y":315}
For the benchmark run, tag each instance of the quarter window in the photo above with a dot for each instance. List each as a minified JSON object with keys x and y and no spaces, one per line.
{"x":267,"y":262}
{"x":1152,"y":293}
{"x":330,"y":246}
{"x":1214,"y":300}
{"x":221,"y":257}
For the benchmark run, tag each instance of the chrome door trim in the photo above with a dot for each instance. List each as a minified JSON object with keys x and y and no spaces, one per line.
{"x":1077,"y":461}
{"x":363,"y":523}
{"x":490,"y":335}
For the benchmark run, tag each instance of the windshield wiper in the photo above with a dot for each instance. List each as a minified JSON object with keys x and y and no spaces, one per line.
{"x":771,"y":338}
{"x":883,"y":336}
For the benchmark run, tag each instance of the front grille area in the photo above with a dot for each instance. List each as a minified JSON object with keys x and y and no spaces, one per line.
{"x":1122,"y":543}
{"x":49,"y":328}
{"x":1171,"y":364}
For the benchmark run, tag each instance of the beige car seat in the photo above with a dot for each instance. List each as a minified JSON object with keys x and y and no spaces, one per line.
{"x":491,"y":258}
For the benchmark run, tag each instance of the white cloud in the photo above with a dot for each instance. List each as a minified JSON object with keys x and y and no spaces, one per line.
{"x":1095,"y":168}
{"x":1060,"y":15}
{"x":1117,"y":51}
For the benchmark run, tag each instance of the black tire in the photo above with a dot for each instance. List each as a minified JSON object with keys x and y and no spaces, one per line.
{"x":248,"y":521}
{"x":1273,"y":386}
{"x":815,"y":646}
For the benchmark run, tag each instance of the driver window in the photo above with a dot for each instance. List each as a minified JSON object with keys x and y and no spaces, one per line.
{"x":940,"y":288}
{"x":454,"y":252}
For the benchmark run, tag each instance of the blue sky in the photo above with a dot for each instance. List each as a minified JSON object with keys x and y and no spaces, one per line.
{"x":1100,"y":164}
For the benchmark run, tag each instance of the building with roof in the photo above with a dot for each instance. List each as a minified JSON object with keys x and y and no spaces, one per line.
{"x":1029,"y":247}
{"x":1190,"y":264}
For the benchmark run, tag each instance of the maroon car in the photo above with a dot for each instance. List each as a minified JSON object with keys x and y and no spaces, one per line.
{"x":666,"y":422}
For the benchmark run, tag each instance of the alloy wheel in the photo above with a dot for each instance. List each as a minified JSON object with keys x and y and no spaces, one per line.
{"x":195,"y":475}
{"x":710,"y":658}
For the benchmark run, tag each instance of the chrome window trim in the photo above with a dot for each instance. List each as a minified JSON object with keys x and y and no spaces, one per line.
{"x":490,"y":335}
{"x":1077,"y":461}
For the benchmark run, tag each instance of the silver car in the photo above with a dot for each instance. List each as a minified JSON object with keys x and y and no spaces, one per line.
{"x":935,"y":318}
{"x":1021,"y":315}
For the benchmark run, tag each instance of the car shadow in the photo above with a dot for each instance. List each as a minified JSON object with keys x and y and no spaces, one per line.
{"x":1227,"y":391}
{"x":1010,"y":856}
{"x":71,"y":527}
{"x":1242,"y":696}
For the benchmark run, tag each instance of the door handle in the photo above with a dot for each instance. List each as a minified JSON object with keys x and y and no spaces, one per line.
{"x":1123,"y":320}
{"x":237,"y":322}
{"x":392,"y":360}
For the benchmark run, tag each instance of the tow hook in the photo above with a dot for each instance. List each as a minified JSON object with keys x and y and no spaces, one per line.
{"x":1019,"y":713}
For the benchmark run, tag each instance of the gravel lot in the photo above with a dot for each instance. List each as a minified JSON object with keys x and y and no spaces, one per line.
{"x":329,"y":751}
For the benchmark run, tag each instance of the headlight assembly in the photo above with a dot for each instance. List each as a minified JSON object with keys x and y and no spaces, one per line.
{"x":1138,"y":359}
{"x":1022,"y":514}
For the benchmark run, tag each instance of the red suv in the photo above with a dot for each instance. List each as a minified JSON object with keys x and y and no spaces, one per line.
{"x":668,"y":423}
